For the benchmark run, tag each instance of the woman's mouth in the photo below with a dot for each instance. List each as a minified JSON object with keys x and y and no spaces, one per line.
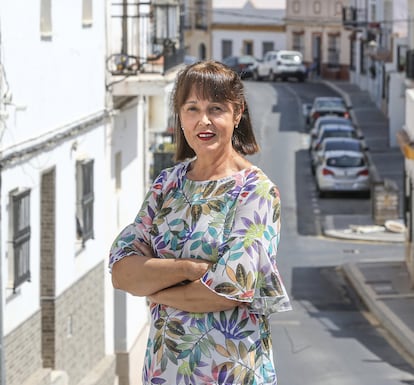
{"x":205,"y":135}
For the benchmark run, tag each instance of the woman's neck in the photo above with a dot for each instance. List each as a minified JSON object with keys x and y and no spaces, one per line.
{"x":212,"y":169}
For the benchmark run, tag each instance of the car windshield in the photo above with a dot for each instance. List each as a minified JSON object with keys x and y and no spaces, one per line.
{"x":345,"y":161}
{"x":342,"y":146}
{"x":330,"y":103}
{"x":246,"y":60}
{"x":334,"y":120}
{"x":338,"y":134}
{"x":291,"y":57}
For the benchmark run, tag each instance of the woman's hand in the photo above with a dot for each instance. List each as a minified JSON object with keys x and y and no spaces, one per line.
{"x":194,"y":297}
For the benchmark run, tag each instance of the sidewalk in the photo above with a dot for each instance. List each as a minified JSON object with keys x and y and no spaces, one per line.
{"x":384,"y":287}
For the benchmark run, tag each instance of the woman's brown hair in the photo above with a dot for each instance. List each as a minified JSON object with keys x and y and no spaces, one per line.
{"x":213,"y":81}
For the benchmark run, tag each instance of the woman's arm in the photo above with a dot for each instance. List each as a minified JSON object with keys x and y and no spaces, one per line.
{"x":194,"y":297}
{"x":143,"y":275}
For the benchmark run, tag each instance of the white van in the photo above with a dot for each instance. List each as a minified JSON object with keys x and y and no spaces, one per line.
{"x":282,"y":65}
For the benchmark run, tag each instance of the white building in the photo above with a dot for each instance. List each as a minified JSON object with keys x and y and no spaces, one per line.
{"x":406,"y":139}
{"x":378,"y":47}
{"x":56,"y":304}
{"x":247,"y":27}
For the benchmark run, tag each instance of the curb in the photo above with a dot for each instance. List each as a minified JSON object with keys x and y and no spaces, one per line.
{"x":381,"y":238}
{"x":400,"y":332}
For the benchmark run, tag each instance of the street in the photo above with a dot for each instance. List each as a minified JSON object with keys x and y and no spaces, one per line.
{"x":328,"y":338}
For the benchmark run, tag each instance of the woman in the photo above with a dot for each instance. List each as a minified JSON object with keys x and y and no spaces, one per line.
{"x":203,"y":246}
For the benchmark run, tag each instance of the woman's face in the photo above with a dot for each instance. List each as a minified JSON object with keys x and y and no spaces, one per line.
{"x":208,"y":125}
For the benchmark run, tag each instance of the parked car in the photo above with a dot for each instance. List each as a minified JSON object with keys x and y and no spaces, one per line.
{"x":343,"y":171}
{"x":243,"y":65}
{"x":333,"y":130}
{"x":282,"y":65}
{"x":335,"y":144}
{"x":328,"y":105}
{"x":329,"y":119}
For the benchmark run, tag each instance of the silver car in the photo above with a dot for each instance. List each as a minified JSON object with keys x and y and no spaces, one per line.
{"x":343,"y":171}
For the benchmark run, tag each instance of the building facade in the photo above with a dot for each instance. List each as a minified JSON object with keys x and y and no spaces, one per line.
{"x":315,"y":29}
{"x":84,"y":100}
{"x":197,"y":28}
{"x":247,"y":27}
{"x":54,"y":122}
{"x":378,"y":46}
{"x":405,"y":138}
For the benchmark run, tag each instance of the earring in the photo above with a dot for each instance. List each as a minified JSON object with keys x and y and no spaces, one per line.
{"x":236,"y":126}
{"x":182,"y":128}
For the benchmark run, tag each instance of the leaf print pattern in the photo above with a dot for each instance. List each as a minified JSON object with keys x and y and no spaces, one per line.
{"x":234,"y":223}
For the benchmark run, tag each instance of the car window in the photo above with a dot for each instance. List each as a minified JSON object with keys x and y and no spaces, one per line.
{"x":345,"y":161}
{"x":246,"y":60}
{"x":342,"y":146}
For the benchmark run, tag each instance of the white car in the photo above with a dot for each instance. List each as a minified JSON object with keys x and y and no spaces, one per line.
{"x":335,"y":144}
{"x":343,"y":171}
{"x":282,"y":65}
{"x":328,"y":119}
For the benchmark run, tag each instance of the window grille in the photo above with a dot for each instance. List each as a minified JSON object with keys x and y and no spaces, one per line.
{"x":333,"y":51}
{"x":85,"y":200}
{"x":298,"y":44}
{"x":20,"y":238}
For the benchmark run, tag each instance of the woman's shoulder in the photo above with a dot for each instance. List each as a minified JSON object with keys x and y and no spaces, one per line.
{"x":257,"y":184}
{"x":171,"y":175}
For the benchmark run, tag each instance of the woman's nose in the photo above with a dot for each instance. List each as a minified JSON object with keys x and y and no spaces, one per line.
{"x":204,"y":120}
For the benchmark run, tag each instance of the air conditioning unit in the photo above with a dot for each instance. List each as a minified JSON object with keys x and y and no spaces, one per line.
{"x":409,"y":64}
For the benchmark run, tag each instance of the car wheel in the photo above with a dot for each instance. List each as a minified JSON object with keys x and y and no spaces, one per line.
{"x":256,"y":76}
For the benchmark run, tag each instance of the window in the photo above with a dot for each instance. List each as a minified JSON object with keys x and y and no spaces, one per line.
{"x":87,"y":13}
{"x":200,"y":15}
{"x":338,"y":8}
{"x":316,"y":7}
{"x":226,"y":48}
{"x":187,"y":15}
{"x":297,"y":42}
{"x":333,"y":51}
{"x":363,"y":58}
{"x":118,"y":171}
{"x":352,"y":54}
{"x":267,"y":46}
{"x":46,"y":19}
{"x":296,"y":6}
{"x":84,"y":200}
{"x":19,"y":245}
{"x":401,"y":57}
{"x":247,"y":47}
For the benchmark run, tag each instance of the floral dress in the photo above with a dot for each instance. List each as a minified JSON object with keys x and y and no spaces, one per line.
{"x":234,"y":222}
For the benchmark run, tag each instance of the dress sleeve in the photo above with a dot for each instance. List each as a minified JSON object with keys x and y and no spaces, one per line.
{"x":246,"y":270}
{"x":139,"y":230}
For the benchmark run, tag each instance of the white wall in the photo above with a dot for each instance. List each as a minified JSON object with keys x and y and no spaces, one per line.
{"x":55,"y":84}
{"x":396,"y":106}
{"x":58,"y":80}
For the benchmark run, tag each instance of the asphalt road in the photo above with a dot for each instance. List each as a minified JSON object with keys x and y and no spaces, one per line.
{"x":328,"y":337}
